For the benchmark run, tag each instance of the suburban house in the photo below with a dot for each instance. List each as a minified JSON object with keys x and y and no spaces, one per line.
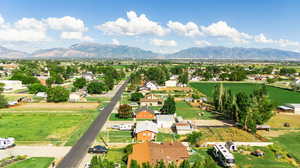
{"x":151,"y":100}
{"x":291,"y":108}
{"x":144,"y":113}
{"x":151,"y":85}
{"x":171,"y":83}
{"x":74,"y":97}
{"x":183,"y":128}
{"x":145,"y":131}
{"x":149,"y":152}
{"x":11,"y":85}
{"x":165,"y":121}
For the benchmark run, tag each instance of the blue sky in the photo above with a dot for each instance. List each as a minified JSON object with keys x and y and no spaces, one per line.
{"x":161,"y":26}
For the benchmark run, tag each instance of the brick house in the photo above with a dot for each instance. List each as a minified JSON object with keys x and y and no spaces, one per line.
{"x":145,"y":131}
{"x":149,"y":152}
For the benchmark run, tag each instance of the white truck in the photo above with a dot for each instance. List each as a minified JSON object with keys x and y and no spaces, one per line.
{"x":7,"y":142}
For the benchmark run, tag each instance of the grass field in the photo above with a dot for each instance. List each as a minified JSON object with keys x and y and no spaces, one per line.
{"x":35,"y":162}
{"x":277,"y":95}
{"x":226,"y":134}
{"x":53,"y":107}
{"x":42,"y":127}
{"x":164,"y":137}
{"x":115,"y":136}
{"x":189,"y":112}
{"x":268,"y":160}
{"x":290,"y":142}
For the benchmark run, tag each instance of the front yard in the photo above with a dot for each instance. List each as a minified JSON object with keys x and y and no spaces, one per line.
{"x":35,"y":162}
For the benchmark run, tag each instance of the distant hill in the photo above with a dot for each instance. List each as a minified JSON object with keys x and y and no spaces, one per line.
{"x":11,"y":54}
{"x":94,"y":50}
{"x":105,"y":51}
{"x":236,"y":53}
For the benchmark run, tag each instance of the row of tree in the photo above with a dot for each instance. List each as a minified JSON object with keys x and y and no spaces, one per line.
{"x":247,"y":110}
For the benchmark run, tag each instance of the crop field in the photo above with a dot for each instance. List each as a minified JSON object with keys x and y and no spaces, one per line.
{"x":53,"y":107}
{"x":188,"y":112}
{"x":290,"y":142}
{"x":44,"y":128}
{"x":277,"y":95}
{"x":35,"y":162}
{"x":226,"y":134}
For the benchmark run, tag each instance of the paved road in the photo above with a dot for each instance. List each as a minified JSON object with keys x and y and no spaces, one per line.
{"x":79,"y":150}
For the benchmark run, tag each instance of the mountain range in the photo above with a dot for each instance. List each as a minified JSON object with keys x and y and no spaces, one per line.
{"x":105,"y":51}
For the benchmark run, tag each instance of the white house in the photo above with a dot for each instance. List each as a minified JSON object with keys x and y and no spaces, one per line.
{"x":6,"y":142}
{"x":165,"y":121}
{"x":151,"y":85}
{"x":11,"y":85}
{"x":74,"y":97}
{"x":171,"y":83}
{"x":89,"y":76}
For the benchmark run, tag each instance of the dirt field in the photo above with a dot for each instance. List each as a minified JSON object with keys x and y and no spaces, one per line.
{"x":52,"y":107}
{"x":278,"y":121}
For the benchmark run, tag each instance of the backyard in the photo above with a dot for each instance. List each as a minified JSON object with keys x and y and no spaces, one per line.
{"x":277,"y":95}
{"x":115,"y":136}
{"x":188,"y":112}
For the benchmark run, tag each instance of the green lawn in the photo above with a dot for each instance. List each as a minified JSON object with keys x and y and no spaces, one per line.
{"x":97,"y":99}
{"x":115,"y":154}
{"x":116,"y":136}
{"x":277,"y":95}
{"x":35,"y":162}
{"x":268,"y":160}
{"x":291,"y":143}
{"x":163,"y":137}
{"x":40,"y":127}
{"x":113,"y":117}
{"x":189,"y":112}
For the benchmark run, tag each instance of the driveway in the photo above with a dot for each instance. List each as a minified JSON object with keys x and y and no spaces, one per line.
{"x":36,"y":151}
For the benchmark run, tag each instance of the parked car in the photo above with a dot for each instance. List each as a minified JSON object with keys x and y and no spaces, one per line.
{"x":115,"y":127}
{"x":258,"y":153}
{"x":98,"y":149}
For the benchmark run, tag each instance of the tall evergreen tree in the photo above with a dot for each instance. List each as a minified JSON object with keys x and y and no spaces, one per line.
{"x":169,"y":106}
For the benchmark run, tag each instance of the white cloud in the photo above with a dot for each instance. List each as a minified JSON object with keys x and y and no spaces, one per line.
{"x":32,"y":30}
{"x":66,"y":23}
{"x":261,"y":38}
{"x":202,"y":43}
{"x":1,"y":20}
{"x":115,"y":42}
{"x":190,"y":29}
{"x":75,"y":36}
{"x":222,"y":29}
{"x":163,"y":43}
{"x":135,"y":25}
{"x":287,"y":43}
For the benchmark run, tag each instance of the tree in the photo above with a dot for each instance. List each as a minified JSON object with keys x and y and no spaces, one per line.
{"x":194,"y":138}
{"x":57,"y":94}
{"x":37,"y":87}
{"x":125,"y":111}
{"x":96,"y":87}
{"x":136,"y":96}
{"x":79,"y":83}
{"x":185,"y":164}
{"x":26,"y":78}
{"x":134,"y":164}
{"x":3,"y":101}
{"x":169,"y":106}
{"x":184,"y":78}
{"x":109,"y":82}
